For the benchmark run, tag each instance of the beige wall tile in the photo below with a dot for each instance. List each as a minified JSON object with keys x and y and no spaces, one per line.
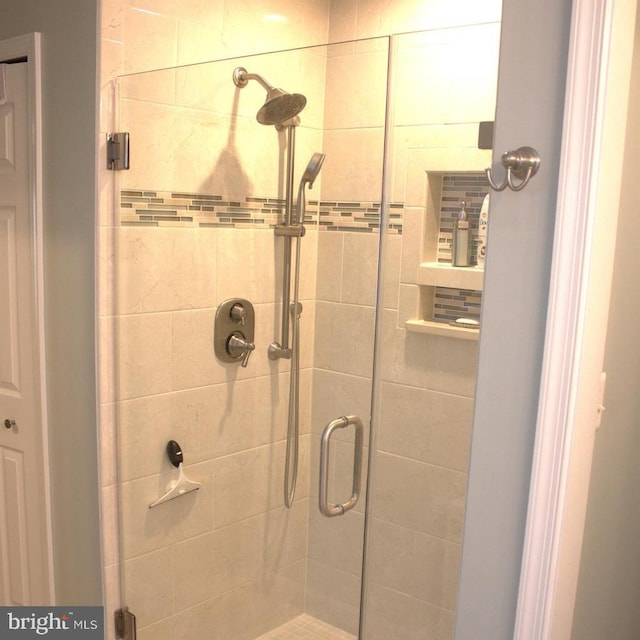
{"x":144,"y":354}
{"x":375,"y":17}
{"x":429,"y":92}
{"x":333,"y":596}
{"x":250,"y":482}
{"x":193,"y":361}
{"x":199,"y":41}
{"x":213,"y":563}
{"x":144,"y":428}
{"x":412,"y":240}
{"x":152,"y":87}
{"x":217,"y":618}
{"x":271,"y":405}
{"x":330,"y":254}
{"x":150,"y":40}
{"x":391,"y":269}
{"x":197,"y":10}
{"x":360,"y":268}
{"x":145,"y":529}
{"x":277,"y":597}
{"x":390,"y":614}
{"x":454,"y":365}
{"x":353,"y":168}
{"x":254,"y":27}
{"x":336,"y":394}
{"x":343,"y":22}
{"x":361,"y":77}
{"x":165,"y":269}
{"x":425,"y":425}
{"x":405,"y":355}
{"x":414,"y":564}
{"x":433,"y":497}
{"x":337,"y":542}
{"x":149,"y":586}
{"x":248,"y":265}
{"x":409,"y":307}
{"x":344,"y":338}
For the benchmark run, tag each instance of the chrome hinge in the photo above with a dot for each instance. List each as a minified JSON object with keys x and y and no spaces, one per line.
{"x":125,"y":623}
{"x":117,"y":151}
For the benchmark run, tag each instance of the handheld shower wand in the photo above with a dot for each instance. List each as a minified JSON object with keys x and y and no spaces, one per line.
{"x":308,"y":177}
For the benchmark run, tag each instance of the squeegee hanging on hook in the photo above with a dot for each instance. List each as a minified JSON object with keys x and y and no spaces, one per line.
{"x":182,"y":485}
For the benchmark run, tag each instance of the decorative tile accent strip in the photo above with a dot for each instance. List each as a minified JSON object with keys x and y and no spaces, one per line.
{"x":160,"y":208}
{"x":471,"y":187}
{"x":451,"y":304}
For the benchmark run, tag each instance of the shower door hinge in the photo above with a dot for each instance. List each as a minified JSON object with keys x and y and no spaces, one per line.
{"x":125,"y":623}
{"x":117,"y":151}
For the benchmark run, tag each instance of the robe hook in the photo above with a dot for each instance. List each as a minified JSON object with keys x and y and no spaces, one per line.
{"x":523,"y":163}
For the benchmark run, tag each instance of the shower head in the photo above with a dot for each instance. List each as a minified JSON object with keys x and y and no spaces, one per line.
{"x":279,"y":105}
{"x":313,"y":169}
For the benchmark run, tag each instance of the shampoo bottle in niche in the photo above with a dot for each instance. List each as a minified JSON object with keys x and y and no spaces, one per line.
{"x":482,"y":232}
{"x":461,"y":245}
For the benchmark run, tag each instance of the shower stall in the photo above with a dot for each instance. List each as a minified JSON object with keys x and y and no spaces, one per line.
{"x":342,"y":364}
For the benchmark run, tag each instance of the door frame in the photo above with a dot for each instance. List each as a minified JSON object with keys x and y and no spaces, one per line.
{"x":28,"y":46}
{"x":597,"y":88}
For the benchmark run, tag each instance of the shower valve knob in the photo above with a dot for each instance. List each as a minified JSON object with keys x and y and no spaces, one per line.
{"x":238,"y":347}
{"x":238,"y":313}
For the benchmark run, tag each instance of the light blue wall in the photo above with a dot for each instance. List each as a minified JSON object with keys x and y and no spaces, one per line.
{"x":535,"y":37}
{"x":69,"y":53}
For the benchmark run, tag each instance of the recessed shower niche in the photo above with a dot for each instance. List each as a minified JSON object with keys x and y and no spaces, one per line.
{"x":446,"y":293}
{"x":196,"y":227}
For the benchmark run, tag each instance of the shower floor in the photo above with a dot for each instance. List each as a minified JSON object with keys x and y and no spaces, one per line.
{"x":305,"y":627}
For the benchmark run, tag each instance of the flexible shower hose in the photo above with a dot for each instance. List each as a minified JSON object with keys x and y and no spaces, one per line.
{"x":293,"y":424}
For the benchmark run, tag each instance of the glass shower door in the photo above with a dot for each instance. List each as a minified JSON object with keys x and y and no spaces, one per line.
{"x":194,"y":230}
{"x":444,"y":85}
{"x":379,"y":339}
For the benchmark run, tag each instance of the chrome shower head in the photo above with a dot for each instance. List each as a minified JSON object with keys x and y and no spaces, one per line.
{"x":279,"y":105}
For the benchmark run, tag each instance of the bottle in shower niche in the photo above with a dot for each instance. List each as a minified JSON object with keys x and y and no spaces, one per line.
{"x":461,"y":245}
{"x":483,"y":221}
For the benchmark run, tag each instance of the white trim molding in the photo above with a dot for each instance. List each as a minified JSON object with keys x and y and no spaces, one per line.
{"x":576,"y":320}
{"x":28,"y":46}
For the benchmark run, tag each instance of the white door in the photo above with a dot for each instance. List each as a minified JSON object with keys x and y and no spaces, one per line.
{"x":24,"y":556}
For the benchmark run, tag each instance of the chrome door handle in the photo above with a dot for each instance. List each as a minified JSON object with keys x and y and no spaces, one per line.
{"x":340,"y":509}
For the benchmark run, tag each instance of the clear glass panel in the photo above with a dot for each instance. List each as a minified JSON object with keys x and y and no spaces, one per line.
{"x":198,"y":208}
{"x":444,"y":84}
{"x":196,"y":228}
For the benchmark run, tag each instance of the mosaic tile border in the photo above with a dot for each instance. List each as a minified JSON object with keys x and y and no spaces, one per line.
{"x":153,"y":208}
{"x":451,"y":304}
{"x":164,"y":208}
{"x":471,"y":187}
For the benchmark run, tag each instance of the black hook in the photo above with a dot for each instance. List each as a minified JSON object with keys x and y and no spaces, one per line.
{"x":174,"y":453}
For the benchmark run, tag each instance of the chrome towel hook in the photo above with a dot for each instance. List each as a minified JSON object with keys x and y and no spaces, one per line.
{"x":523,"y":163}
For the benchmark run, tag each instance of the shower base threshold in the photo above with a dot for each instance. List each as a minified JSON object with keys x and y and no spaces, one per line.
{"x":305,"y":627}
